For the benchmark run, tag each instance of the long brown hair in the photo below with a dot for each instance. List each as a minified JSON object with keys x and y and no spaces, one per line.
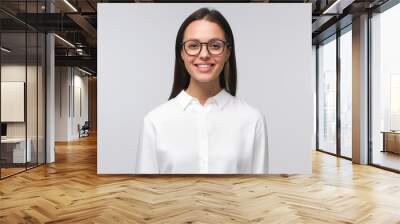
{"x":228,"y":76}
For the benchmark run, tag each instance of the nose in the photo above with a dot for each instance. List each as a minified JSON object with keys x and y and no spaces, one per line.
{"x":204,"y":52}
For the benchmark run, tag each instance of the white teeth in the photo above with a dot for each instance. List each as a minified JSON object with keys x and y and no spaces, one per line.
{"x":204,"y":66}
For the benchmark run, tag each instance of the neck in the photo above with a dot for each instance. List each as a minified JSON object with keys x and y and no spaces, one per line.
{"x":203,"y":91}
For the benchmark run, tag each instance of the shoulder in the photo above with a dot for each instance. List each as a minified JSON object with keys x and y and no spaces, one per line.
{"x":162,"y":111}
{"x":252,"y":115}
{"x":250,"y":111}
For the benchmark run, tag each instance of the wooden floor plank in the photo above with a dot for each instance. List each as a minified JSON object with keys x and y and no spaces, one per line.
{"x":70,"y":191}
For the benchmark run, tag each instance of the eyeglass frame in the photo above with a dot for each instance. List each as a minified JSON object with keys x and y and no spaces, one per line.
{"x":226,"y":45}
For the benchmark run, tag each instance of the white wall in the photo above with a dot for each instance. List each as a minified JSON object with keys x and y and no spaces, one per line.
{"x":314,"y":82}
{"x":61,"y":103}
{"x":68,"y":81}
{"x":18,"y":73}
{"x":79,"y":117}
{"x":135,"y":74}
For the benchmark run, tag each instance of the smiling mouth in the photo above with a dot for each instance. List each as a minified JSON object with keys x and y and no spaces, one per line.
{"x":204,"y":67}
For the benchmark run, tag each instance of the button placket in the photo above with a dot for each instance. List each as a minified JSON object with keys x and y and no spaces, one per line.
{"x":203,"y":140}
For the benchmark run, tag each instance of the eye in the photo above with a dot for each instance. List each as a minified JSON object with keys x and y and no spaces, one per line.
{"x":192,"y":45}
{"x":216,"y":45}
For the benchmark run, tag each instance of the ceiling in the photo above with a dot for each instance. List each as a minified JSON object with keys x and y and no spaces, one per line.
{"x":76,"y":22}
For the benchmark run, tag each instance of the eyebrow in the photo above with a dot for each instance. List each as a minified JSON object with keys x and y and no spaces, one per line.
{"x":200,"y":41}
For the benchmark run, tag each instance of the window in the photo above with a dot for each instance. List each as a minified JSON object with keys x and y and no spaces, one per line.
{"x":327,"y":96}
{"x":346,"y":93}
{"x":385,"y":89}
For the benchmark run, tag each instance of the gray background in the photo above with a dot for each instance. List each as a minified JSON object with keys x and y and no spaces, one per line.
{"x":135,"y":74}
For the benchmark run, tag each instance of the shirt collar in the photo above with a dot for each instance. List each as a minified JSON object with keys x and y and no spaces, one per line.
{"x":221,"y":98}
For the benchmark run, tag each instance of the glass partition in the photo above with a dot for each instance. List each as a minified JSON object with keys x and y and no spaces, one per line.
{"x":32,"y":95}
{"x":13,"y":109}
{"x":327,"y":96}
{"x":41,"y":91}
{"x":22,"y":78}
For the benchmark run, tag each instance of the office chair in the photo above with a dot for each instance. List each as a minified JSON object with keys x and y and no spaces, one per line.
{"x":84,"y":130}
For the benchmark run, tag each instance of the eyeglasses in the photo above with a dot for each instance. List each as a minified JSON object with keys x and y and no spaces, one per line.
{"x":215,"y":47}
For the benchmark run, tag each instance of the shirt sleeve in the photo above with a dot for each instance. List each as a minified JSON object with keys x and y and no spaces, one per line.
{"x":146,"y":159}
{"x":260,"y":156}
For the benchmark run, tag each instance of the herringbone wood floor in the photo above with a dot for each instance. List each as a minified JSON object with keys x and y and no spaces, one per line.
{"x":70,"y":191}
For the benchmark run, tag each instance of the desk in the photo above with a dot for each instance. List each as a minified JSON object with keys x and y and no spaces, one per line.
{"x":13,"y":150}
{"x":391,"y":141}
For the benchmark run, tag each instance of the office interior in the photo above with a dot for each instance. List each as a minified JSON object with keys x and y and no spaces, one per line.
{"x":48,"y":83}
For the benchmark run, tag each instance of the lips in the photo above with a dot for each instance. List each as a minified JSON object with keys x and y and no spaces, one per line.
{"x":204,"y":67}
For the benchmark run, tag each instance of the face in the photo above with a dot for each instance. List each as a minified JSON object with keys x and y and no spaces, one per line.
{"x":204,"y":67}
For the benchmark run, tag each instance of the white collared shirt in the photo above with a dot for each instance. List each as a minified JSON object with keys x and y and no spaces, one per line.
{"x":181,"y":136}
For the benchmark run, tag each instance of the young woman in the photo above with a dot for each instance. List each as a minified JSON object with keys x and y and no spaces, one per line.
{"x":203,"y":128}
